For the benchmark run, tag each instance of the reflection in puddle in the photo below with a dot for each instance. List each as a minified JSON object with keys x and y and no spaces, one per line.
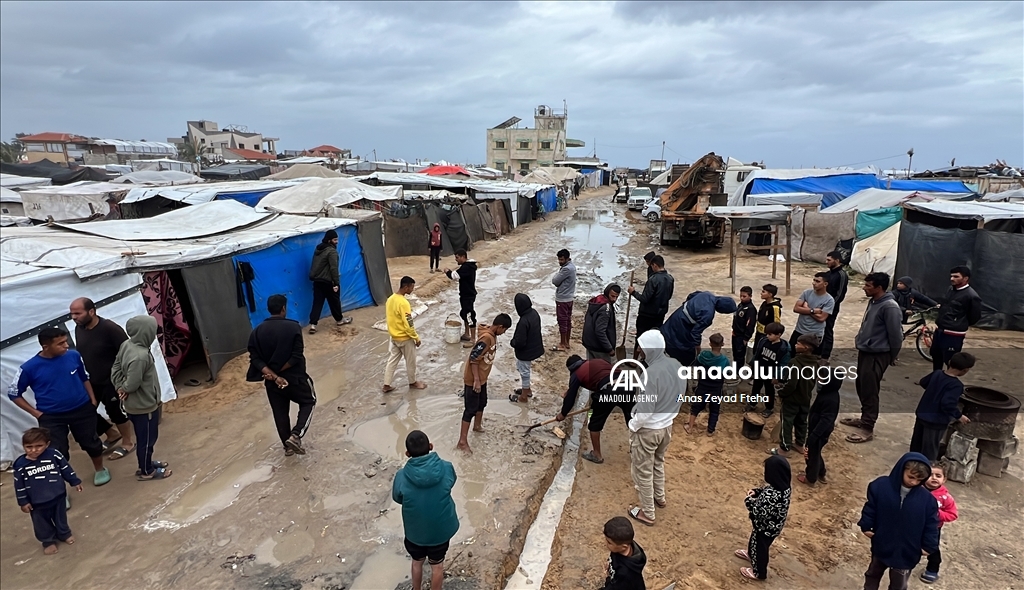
{"x":383,"y":569}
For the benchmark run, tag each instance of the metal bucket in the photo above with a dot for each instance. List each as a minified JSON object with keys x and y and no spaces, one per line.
{"x":753,"y":426}
{"x":452,"y":329}
{"x":993,"y":413}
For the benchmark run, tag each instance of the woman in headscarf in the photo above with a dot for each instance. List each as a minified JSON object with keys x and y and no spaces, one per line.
{"x":768,"y":506}
{"x":435,"y":248}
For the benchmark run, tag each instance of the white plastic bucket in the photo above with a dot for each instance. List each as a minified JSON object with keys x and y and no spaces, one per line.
{"x":452,"y":329}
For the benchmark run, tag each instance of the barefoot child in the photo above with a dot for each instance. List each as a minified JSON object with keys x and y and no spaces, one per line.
{"x":39,"y":477}
{"x":796,"y":396}
{"x":936,"y":484}
{"x":474,"y":376}
{"x":424,"y":489}
{"x":768,"y":506}
{"x":625,"y":567}
{"x":708,"y":388}
{"x":902,"y":520}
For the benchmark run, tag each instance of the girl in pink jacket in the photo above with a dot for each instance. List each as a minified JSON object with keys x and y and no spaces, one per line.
{"x":936,"y":484}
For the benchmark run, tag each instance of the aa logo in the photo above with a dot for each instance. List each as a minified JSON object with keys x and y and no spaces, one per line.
{"x":628,"y":375}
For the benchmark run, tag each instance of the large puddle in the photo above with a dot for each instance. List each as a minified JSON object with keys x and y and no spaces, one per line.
{"x":597,"y":235}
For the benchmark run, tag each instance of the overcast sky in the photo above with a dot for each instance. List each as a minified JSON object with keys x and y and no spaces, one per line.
{"x":794,"y":84}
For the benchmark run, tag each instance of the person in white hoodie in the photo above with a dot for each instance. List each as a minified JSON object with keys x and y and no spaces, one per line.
{"x":650,"y":428}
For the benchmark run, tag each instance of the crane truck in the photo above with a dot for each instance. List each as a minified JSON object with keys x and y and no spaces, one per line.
{"x":684,"y":205}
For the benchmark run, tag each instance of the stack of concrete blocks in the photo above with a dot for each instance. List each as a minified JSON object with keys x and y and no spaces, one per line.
{"x":962,"y":457}
{"x":994,"y":455}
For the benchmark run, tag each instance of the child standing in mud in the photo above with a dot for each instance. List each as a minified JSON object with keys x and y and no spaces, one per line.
{"x":474,"y":377}
{"x":39,"y":477}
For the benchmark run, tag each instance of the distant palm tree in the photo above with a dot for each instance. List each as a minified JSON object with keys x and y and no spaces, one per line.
{"x":192,"y":151}
{"x":11,"y":152}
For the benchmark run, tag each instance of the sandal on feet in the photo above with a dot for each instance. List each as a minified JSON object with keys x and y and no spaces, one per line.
{"x":387,"y":389}
{"x":515,"y":399}
{"x":102,"y":477}
{"x":635,"y":513}
{"x":803,"y":479}
{"x":295,"y":443}
{"x":687,"y":428}
{"x":156,"y":465}
{"x":855,"y":422}
{"x":660,"y":503}
{"x":158,"y":473}
{"x":288,"y":452}
{"x":69,"y":540}
{"x":859,"y":438}
{"x":417,"y":385}
{"x":748,"y":573}
{"x":109,"y":444}
{"x":742,"y":554}
{"x":590,"y":456}
{"x":121,"y":453}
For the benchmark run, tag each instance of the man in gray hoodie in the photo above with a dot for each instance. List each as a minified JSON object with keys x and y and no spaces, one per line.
{"x":565,"y":293}
{"x":878,"y":344}
{"x":134,"y":376}
{"x":650,"y":428}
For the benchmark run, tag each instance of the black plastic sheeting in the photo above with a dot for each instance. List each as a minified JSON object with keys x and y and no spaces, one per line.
{"x":474,"y":225}
{"x":996,"y":259}
{"x":236,"y":172}
{"x":374,"y":259}
{"x":224,"y":325}
{"x":57,"y":174}
{"x":452,"y":224}
{"x":525,"y":212}
{"x":405,"y":236}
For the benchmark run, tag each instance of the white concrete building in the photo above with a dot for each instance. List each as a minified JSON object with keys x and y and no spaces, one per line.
{"x":216,"y":140}
{"x":511,"y":148}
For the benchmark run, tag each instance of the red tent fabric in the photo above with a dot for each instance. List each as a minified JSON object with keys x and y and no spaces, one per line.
{"x":445,"y":171}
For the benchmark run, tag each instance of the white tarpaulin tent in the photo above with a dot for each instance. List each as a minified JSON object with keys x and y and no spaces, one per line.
{"x":158,"y":178}
{"x":10,"y":203}
{"x":307,"y":170}
{"x":13,"y":181}
{"x":204,"y":193}
{"x":321,"y":196}
{"x":78,"y":200}
{"x":41,"y":297}
{"x":876,"y":253}
{"x":784,"y":199}
{"x":212,"y":218}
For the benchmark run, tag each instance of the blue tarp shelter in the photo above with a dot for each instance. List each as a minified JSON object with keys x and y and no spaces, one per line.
{"x":250,"y":198}
{"x":836,"y":188}
{"x":549,"y":198}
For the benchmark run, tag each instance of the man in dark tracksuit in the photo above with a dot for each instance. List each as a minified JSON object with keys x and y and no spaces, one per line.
{"x":961,"y":309}
{"x":821,"y":421}
{"x":878,"y":345}
{"x":837,"y":281}
{"x":654,"y":300}
{"x":466,"y":276}
{"x":326,"y":281}
{"x":275,"y":357}
{"x":743,"y":323}
{"x":593,"y":375}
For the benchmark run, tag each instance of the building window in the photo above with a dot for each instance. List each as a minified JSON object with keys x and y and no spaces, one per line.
{"x":545,"y":145}
{"x":55,"y":148}
{"x":35,"y":147}
{"x":202,"y":140}
{"x":524,"y":144}
{"x":524,"y":166}
{"x":500,"y":166}
{"x":499,"y":145}
{"x":741,"y":176}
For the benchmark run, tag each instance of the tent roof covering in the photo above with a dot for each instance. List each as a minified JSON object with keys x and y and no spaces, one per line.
{"x":158,"y":178}
{"x":444,"y":171}
{"x":319,"y":195}
{"x":305,"y":171}
{"x":971,"y":209}
{"x":193,"y":195}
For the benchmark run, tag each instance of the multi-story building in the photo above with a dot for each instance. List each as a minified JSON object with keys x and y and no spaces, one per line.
{"x":215,"y":140}
{"x":510,"y":148}
{"x":59,"y":148}
{"x":65,"y":148}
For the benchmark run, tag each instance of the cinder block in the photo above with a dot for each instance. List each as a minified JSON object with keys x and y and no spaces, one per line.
{"x":960,"y":447}
{"x":990,"y":465}
{"x":999,"y":448}
{"x":962,"y":472}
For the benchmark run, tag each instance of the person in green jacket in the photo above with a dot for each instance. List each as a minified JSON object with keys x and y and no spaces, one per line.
{"x":326,"y":279}
{"x":134,"y":376}
{"x":796,"y":395}
{"x":424,"y":489}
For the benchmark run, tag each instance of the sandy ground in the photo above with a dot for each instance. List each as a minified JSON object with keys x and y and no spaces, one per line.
{"x":821,"y":547}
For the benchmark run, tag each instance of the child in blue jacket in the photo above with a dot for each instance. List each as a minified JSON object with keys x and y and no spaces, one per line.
{"x":902,"y":520}
{"x":39,"y":477}
{"x":424,"y":489}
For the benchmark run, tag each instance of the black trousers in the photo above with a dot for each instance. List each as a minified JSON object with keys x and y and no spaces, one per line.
{"x":943,"y":347}
{"x":435,"y":257}
{"x":646,"y":323}
{"x":829,"y":337}
{"x":769,"y":390}
{"x":81,"y":423}
{"x":739,"y":350}
{"x":147,"y":428}
{"x":322,"y":291}
{"x":926,"y":438}
{"x":685,"y":357}
{"x":50,"y":521}
{"x":757,"y":550}
{"x":898,"y":579}
{"x":107,"y":395}
{"x":300,"y":391}
{"x":935,"y":559}
{"x":871,"y":367}
{"x":467,"y":311}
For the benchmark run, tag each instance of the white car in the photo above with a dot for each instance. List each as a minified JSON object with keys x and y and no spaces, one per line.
{"x":638,"y":197}
{"x":652,"y":211}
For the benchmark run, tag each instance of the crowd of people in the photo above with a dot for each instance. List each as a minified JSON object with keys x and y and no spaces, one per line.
{"x":116,"y":368}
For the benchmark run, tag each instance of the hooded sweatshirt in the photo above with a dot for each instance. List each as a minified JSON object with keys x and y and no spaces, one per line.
{"x":324,"y":268}
{"x":769,"y":312}
{"x":940,"y":403}
{"x":527,"y":341}
{"x":657,"y":293}
{"x":626,"y":573}
{"x":659,"y":405}
{"x":685,"y":326}
{"x":134,"y":369}
{"x":821,"y":420}
{"x":424,"y":489}
{"x":707,"y":385}
{"x":769,"y":505}
{"x":881,"y":329}
{"x":466,"y":276}
{"x":911,"y":298}
{"x":599,"y":325}
{"x":799,"y":390}
{"x":903,"y":526}
{"x":434,"y":240}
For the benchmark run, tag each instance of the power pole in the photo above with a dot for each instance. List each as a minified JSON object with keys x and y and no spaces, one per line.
{"x":663,"y":150}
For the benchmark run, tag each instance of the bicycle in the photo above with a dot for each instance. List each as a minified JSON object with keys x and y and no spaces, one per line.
{"x":922,"y":323}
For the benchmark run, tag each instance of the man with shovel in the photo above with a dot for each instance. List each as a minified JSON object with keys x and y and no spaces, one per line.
{"x":594,"y":375}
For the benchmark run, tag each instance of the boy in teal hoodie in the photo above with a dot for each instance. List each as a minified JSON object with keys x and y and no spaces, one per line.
{"x":424,"y":489}
{"x":709,"y":388}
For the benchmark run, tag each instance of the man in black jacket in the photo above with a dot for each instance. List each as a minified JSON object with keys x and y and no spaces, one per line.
{"x":743,"y":323}
{"x":961,"y":309}
{"x":599,"y":324}
{"x":527,"y":343}
{"x":275,"y":357}
{"x":655,"y":298}
{"x":466,"y":276}
{"x":326,"y":281}
{"x":838,"y":281}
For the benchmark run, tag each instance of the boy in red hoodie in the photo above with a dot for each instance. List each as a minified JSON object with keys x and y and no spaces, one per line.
{"x":936,"y":484}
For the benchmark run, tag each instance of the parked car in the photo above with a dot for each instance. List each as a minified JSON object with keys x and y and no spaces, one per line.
{"x":652,"y":211}
{"x":638,"y":197}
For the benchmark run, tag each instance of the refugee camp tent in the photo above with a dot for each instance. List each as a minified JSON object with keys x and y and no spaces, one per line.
{"x":320,"y":196}
{"x":802,"y":199}
{"x":10,"y":203}
{"x":158,"y":178}
{"x":815,"y":234}
{"x":41,"y":297}
{"x":55,"y":172}
{"x":209,"y":269}
{"x":986,"y":237}
{"x":236,"y":172}
{"x":77,"y":201}
{"x":305,"y":171}
{"x":877,"y":253}
{"x":1015,"y":195}
{"x":445,"y":171}
{"x":149,"y":202}
{"x":15,"y":182}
